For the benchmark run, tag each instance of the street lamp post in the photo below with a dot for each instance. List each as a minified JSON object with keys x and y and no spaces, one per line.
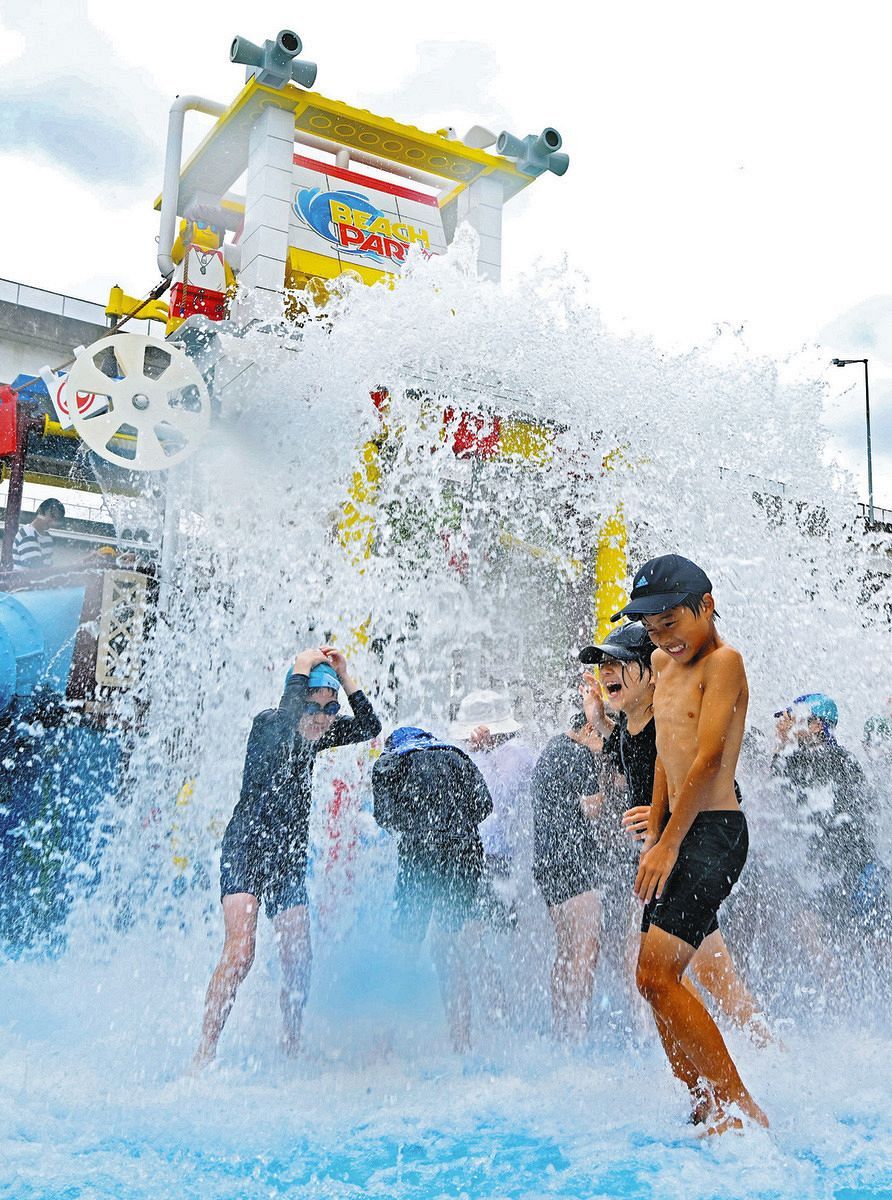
{"x":847,"y":362}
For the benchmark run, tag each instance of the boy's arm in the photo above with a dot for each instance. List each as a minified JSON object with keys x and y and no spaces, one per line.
{"x":364,"y":724}
{"x":659,"y":808}
{"x":361,"y":727}
{"x":722,"y":692}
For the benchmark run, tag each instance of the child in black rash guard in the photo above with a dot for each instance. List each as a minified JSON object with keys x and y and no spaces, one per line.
{"x":626,"y":679}
{"x":571,"y":862}
{"x":836,"y":807}
{"x":264,"y":853}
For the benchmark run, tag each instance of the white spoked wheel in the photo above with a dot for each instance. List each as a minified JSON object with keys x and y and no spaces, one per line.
{"x":158,"y":409}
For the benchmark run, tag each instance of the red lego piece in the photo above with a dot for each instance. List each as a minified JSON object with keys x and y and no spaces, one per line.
{"x":8,"y":399}
{"x":186,"y":300}
{"x":473,"y":435}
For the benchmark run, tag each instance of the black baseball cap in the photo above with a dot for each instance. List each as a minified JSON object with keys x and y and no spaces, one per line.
{"x":629,"y":643}
{"x":662,"y":583}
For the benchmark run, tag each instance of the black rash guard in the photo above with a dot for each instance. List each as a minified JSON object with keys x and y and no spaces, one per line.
{"x":265,"y":844}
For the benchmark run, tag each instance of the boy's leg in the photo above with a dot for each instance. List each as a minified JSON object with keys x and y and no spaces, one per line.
{"x":713,"y":969}
{"x":687,"y":1025}
{"x":292,"y":926}
{"x":577,"y":926}
{"x":240,"y":919}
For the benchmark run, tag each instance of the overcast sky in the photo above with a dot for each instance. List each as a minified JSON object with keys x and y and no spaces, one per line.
{"x":729,"y":164}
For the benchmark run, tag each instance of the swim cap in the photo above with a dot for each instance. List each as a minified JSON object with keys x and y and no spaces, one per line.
{"x":815,"y":706}
{"x":323,"y":675}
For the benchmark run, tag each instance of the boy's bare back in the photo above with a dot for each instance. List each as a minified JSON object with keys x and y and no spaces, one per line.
{"x":700,"y":712}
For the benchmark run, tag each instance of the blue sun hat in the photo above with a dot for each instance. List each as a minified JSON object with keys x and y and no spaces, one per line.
{"x":407,"y":738}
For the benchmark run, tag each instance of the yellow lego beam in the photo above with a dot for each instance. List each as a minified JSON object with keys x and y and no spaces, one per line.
{"x":222,"y":156}
{"x":122,"y":305}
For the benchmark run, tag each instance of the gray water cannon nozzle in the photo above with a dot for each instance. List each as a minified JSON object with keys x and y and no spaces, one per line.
{"x":534,"y":155}
{"x":274,"y":63}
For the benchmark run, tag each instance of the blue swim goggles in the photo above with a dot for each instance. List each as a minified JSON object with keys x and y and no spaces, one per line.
{"x":311,"y":708}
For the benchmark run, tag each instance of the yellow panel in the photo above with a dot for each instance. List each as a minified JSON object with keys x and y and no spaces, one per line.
{"x":307,"y":262}
{"x":525,"y":440}
{"x":610,"y":573}
{"x":304,"y":264}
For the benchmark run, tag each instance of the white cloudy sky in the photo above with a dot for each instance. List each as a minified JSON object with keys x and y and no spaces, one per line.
{"x":729,"y":162}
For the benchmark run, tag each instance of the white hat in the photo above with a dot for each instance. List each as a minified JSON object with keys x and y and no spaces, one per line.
{"x":492,"y":709}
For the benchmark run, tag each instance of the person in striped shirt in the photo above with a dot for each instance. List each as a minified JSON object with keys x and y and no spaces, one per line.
{"x":33,"y":546}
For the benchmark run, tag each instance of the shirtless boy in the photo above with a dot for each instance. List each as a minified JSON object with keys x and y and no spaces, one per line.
{"x":625,"y":674}
{"x":697,"y":838}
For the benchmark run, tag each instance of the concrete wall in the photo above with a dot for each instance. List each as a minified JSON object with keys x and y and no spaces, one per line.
{"x":30,"y":339}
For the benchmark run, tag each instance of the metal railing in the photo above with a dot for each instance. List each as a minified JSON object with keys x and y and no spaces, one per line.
{"x":52,"y":302}
{"x":881,"y":516}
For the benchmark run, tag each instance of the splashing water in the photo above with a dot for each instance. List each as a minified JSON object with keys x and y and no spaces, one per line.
{"x":480,"y":572}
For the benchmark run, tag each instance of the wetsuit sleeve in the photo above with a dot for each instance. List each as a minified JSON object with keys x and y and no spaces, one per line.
{"x":480,"y":800}
{"x":383,"y":800}
{"x":853,"y":803}
{"x":255,"y":775}
{"x":361,"y":727}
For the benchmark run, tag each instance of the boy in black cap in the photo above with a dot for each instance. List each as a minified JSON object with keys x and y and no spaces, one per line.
{"x":625,"y":674}
{"x":697,"y":840}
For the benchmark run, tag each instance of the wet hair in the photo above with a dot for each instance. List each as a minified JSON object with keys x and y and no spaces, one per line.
{"x":51,"y":508}
{"x":694,"y":603}
{"x":643,"y":665}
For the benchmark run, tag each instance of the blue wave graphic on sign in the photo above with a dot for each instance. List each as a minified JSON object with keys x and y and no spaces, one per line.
{"x":313,"y":207}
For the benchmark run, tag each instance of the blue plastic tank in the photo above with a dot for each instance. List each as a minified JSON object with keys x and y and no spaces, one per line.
{"x":37,"y":635}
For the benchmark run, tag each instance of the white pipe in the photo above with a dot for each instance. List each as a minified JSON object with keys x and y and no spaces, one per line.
{"x":170,"y":189}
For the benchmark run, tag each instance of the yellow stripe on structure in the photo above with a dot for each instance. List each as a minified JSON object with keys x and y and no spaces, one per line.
{"x":610,"y":572}
{"x":356,"y":527}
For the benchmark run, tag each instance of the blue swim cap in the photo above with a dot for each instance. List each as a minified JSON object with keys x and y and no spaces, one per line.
{"x":325,"y":676}
{"x":816,"y":705}
{"x":322,"y":675}
{"x":819,"y":706}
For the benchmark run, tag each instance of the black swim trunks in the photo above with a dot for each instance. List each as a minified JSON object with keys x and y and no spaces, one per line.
{"x":438,"y":880}
{"x":710,"y":860}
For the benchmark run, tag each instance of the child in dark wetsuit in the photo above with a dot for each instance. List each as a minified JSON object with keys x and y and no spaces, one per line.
{"x":623,"y":661}
{"x":434,"y":798}
{"x":837,"y":807}
{"x":570,"y":861}
{"x":264,"y":853}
